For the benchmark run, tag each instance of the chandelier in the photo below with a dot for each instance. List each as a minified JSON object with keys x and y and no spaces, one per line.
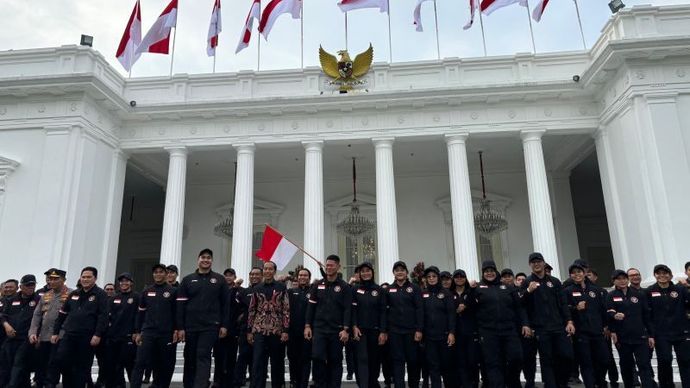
{"x":488,"y":221}
{"x":223,"y":228}
{"x":355,"y":224}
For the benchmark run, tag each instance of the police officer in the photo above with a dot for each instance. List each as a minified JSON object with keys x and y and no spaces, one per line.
{"x":268,"y":322}
{"x":498,"y":309}
{"x":439,"y":327}
{"x":15,"y":318}
{"x":120,"y":350}
{"x":202,"y":318}
{"x":550,"y":319}
{"x":328,"y":323}
{"x":405,"y":325}
{"x":155,"y":331}
{"x":299,"y":349}
{"x":41,"y":330}
{"x":667,"y":302}
{"x":84,"y":316}
{"x":466,"y":341}
{"x":239,"y":318}
{"x":631,"y":329}
{"x":368,"y":326}
{"x":588,"y":307}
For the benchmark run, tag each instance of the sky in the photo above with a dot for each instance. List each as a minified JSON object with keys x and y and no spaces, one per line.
{"x":53,"y":23}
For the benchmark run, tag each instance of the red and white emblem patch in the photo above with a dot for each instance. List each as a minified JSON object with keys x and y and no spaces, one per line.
{"x":32,"y":303}
{"x":92,"y":298}
{"x":214,"y":280}
{"x":409,"y":290}
{"x":166,"y":294}
{"x":374,"y":293}
{"x":592,"y":294}
{"x":130,"y":300}
{"x":549,"y":284}
{"x":674,"y":294}
{"x":634,"y":299}
{"x":337,"y":288}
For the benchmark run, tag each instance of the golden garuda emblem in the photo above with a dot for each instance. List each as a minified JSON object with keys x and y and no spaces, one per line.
{"x":345,"y":72}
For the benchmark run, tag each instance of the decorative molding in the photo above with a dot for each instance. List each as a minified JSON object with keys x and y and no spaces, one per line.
{"x":265,"y":212}
{"x":7,"y":166}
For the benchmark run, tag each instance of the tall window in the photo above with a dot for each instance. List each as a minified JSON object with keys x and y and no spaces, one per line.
{"x":354,"y":251}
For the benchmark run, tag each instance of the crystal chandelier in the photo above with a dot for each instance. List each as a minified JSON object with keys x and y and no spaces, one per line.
{"x":355,"y":224}
{"x":223,"y":228}
{"x":488,"y":221}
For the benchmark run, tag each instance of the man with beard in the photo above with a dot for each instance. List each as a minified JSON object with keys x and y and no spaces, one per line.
{"x":120,"y":350}
{"x":15,"y":317}
{"x":328,"y":322}
{"x":368,"y":326}
{"x":41,"y":330}
{"x":299,"y":349}
{"x":239,"y":317}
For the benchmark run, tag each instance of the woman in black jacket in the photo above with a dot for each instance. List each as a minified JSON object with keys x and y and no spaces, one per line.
{"x":439,"y":326}
{"x":498,"y":308}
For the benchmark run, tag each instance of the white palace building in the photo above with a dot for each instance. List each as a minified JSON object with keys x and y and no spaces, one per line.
{"x":586,"y":154}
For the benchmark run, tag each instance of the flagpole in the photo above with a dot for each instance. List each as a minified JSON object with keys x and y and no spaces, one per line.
{"x":481,"y":24}
{"x":438,"y":45}
{"x":579,"y":21}
{"x":258,"y":52}
{"x":301,"y":35}
{"x":299,"y":247}
{"x":214,"y":61}
{"x":172,"y":56}
{"x":390,"y":38}
{"x":531,"y":31}
{"x":345,"y":30}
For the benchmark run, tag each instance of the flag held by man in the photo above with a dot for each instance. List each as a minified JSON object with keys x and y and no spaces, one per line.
{"x":276,"y":248}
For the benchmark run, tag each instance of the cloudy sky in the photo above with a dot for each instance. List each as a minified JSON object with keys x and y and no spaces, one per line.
{"x":50,"y":23}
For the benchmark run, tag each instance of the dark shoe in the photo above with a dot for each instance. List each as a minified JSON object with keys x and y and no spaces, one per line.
{"x":349,"y":376}
{"x":146,"y":380}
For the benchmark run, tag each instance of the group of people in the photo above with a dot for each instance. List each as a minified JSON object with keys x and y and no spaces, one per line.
{"x":435,"y":329}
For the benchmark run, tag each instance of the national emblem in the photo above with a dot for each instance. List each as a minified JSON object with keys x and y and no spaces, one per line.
{"x":346,"y":72}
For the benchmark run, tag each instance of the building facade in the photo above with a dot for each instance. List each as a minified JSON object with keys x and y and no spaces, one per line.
{"x":586,"y":153}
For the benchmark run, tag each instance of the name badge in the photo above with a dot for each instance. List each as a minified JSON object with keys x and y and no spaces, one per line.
{"x":655,"y":294}
{"x":75,"y":297}
{"x":577,"y":294}
{"x":617,"y":299}
{"x":16,"y":303}
{"x":322,"y":287}
{"x":117,"y":301}
{"x":392,"y":290}
{"x":483,"y":286}
{"x":151,"y":294}
{"x":425,"y":295}
{"x":360,"y":291}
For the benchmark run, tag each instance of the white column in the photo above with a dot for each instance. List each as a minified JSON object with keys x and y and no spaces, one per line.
{"x":243,"y":215}
{"x":386,"y":217}
{"x":173,"y":217}
{"x":543,"y":235}
{"x":464,"y":240}
{"x":111,"y":236}
{"x":313,"y":204}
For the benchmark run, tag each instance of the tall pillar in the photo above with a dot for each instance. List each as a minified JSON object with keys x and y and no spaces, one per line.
{"x":464,"y":239}
{"x":386,"y":217}
{"x":313,"y":204}
{"x":111,"y":236}
{"x":543,"y":235}
{"x":243,"y":212}
{"x":173,"y":217}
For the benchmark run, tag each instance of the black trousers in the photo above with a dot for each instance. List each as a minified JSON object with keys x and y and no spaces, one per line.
{"x":502,"y":355}
{"x":368,"y":359}
{"x":268,"y":347}
{"x":119,"y":356}
{"x":327,"y":352}
{"x":244,"y":359}
{"x":664,"y":356}
{"x":47,"y":371}
{"x":157,"y":354}
{"x":592,"y":355}
{"x":631,"y":355}
{"x":437,"y":357}
{"x":611,"y":367}
{"x":404,"y":350}
{"x":299,"y":357}
{"x":387,"y":363}
{"x":74,"y":357}
{"x":197,"y":358}
{"x":350,"y":362}
{"x":529,"y":360}
{"x":467,"y":356}
{"x":224,"y":356}
{"x":21,"y":359}
{"x":555,"y":358}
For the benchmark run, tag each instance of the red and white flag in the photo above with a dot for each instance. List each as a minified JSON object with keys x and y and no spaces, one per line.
{"x":539,"y":10}
{"x":131,"y":39}
{"x":276,"y":8}
{"x":157,"y":40}
{"x":214,"y":29}
{"x":276,"y":248}
{"x":474,"y":4}
{"x":254,"y":13}
{"x":489,"y":6}
{"x":349,"y":5}
{"x":418,"y":15}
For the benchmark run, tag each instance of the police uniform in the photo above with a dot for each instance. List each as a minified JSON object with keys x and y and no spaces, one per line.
{"x":369,"y":316}
{"x":589,"y":342}
{"x":439,"y":323}
{"x":467,"y":347}
{"x":83,"y":316}
{"x":18,"y":354}
{"x":155,"y":322}
{"x":499,"y":309}
{"x":120,"y":350}
{"x":670,"y":324}
{"x":632,"y":332}
{"x":328,"y":313}
{"x":298,"y":348}
{"x":405,"y":317}
{"x":201,"y":313}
